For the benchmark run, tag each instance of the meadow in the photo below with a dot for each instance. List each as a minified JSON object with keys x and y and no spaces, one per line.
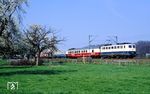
{"x":72,"y":78}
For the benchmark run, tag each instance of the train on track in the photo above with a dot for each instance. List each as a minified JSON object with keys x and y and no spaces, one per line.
{"x":119,"y":50}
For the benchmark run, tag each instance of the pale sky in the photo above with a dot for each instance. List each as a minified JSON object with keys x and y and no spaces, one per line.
{"x":76,"y":19}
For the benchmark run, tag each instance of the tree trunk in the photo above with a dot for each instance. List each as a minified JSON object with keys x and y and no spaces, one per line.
{"x":37,"y":59}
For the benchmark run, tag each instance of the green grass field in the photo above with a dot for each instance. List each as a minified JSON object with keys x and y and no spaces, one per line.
{"x":77,"y":79}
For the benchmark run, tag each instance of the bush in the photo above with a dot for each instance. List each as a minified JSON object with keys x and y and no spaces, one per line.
{"x":22,"y":62}
{"x":85,"y":59}
{"x":58,"y":63}
{"x":41,"y":62}
{"x":3,"y":62}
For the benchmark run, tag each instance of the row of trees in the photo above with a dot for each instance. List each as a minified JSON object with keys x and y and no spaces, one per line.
{"x":143,"y":47}
{"x":29,"y":42}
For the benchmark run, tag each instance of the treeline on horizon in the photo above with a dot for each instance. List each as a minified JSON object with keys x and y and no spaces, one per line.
{"x":143,"y":49}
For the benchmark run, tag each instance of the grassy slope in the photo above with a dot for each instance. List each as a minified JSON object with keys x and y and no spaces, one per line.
{"x":77,"y":79}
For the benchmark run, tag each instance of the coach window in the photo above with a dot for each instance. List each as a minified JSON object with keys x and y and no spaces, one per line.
{"x":121,"y":47}
{"x":124,"y":46}
{"x":112,"y":47}
{"x":118,"y":47}
{"x":130,"y":46}
{"x":133,"y":46}
{"x":92,"y":50}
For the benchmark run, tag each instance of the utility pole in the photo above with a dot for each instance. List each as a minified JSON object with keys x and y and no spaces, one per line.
{"x":116,"y":37}
{"x":108,"y":41}
{"x":90,"y":40}
{"x":90,"y":36}
{"x":113,"y":39}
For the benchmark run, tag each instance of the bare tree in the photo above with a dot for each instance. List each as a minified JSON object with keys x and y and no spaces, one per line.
{"x":39,"y":38}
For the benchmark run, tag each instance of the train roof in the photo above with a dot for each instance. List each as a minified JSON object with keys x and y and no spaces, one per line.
{"x":116,"y":44}
{"x":98,"y":46}
{"x":87,"y":47}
